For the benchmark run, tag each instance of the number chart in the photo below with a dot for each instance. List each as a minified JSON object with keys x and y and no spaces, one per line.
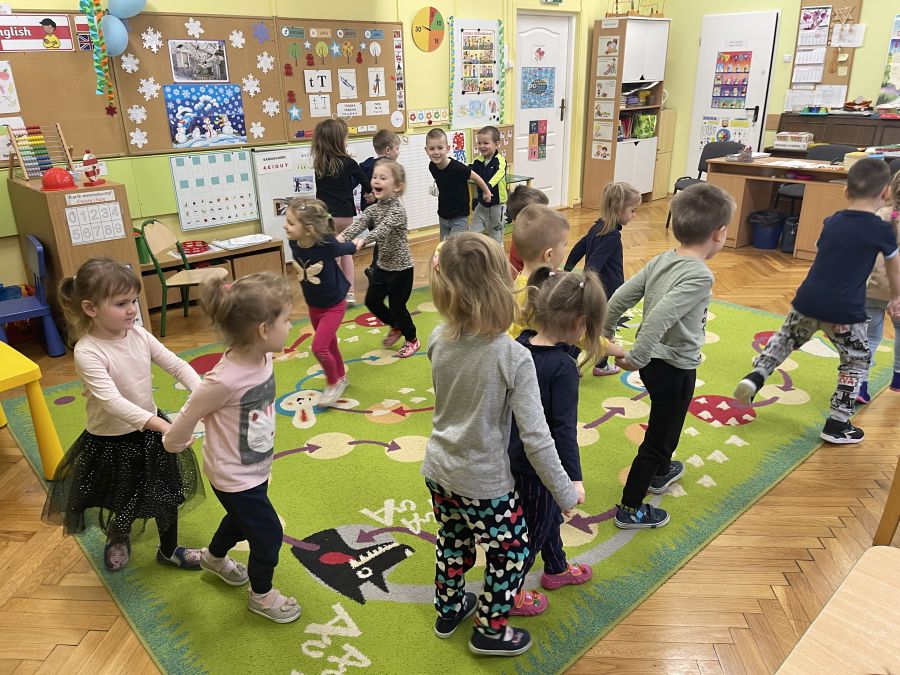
{"x":90,"y":223}
{"x":214,"y":188}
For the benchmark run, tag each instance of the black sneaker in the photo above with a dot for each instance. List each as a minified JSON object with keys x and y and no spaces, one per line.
{"x":841,"y":432}
{"x":659,"y":484}
{"x":444,"y":628}
{"x":643,"y":517}
{"x":513,"y":642}
{"x":747,"y":388}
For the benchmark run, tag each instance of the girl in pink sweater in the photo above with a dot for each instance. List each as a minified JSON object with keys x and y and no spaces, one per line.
{"x":236,"y":400}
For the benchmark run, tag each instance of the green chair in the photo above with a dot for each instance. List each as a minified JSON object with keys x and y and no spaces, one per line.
{"x":159,"y":241}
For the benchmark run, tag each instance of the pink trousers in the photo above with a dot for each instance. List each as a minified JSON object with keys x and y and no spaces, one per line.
{"x":325,"y":321}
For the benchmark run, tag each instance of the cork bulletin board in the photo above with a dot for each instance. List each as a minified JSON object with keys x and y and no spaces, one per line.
{"x":60,"y":86}
{"x":348,"y":69}
{"x":199,"y":82}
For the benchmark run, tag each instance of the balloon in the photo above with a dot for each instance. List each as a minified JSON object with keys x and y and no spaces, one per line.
{"x":115,"y":34}
{"x":125,"y":9}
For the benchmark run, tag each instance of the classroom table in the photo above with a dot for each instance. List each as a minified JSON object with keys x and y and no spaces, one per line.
{"x":754,"y":184}
{"x":858,"y":630}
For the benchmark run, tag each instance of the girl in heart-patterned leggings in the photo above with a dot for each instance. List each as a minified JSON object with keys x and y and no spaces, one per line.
{"x":476,"y":367}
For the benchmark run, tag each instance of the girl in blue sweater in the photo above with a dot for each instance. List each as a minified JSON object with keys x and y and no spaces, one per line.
{"x":601,"y":247}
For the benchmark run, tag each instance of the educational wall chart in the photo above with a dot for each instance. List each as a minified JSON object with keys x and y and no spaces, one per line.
{"x":348,"y":69}
{"x":538,"y":87}
{"x":890,"y":83}
{"x":94,"y":216}
{"x":214,"y":188}
{"x":537,"y":139}
{"x":724,"y":129}
{"x":731,"y":79}
{"x":476,"y":72}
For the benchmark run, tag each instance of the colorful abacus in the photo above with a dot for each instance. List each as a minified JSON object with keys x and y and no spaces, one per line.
{"x":38,"y":148}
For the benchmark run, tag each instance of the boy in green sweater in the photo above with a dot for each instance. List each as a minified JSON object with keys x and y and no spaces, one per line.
{"x":676,"y":289}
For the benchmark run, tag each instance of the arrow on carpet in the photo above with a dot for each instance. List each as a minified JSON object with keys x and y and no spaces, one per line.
{"x":788,"y":382}
{"x":367,"y":537}
{"x":608,"y":415}
{"x":404,"y":411}
{"x":638,"y":397}
{"x":306,"y":546}
{"x":309,"y":447}
{"x":390,"y":447}
{"x":299,"y":341}
{"x":584,"y":523}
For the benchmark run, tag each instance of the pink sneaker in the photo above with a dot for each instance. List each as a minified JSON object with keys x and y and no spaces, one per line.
{"x":578,"y":573}
{"x":391,"y":337}
{"x":408,"y":349}
{"x":529,"y":603}
{"x":608,"y":369}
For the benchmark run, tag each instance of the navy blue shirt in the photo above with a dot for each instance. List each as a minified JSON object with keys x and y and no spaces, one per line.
{"x":558,"y":380}
{"x":602,"y":254}
{"x":834,"y":290}
{"x":332,"y":285}
{"x":368,"y":168}
{"x":337,"y":190}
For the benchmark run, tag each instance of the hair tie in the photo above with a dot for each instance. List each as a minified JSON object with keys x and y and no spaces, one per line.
{"x":581,"y":285}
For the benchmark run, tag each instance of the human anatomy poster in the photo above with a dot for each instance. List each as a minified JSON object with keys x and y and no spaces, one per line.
{"x":476,"y":69}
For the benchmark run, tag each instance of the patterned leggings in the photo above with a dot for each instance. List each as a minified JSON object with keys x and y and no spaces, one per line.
{"x":463,"y":523}
{"x":849,"y":340}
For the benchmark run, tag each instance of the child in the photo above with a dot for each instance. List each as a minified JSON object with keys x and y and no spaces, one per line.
{"x":452,"y":179}
{"x":878,"y":295}
{"x":393,"y":276}
{"x":491,"y":167}
{"x":475,"y":366}
{"x":236,"y":401}
{"x":832,"y":298}
{"x":311,"y":232}
{"x":521,"y":197}
{"x":567,"y":308}
{"x":118,"y":463}
{"x":676,"y":287}
{"x":387,"y":146}
{"x":602,"y":247}
{"x":336,"y":175}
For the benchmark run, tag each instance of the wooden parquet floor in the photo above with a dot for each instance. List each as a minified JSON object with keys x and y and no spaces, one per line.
{"x":738,"y":607}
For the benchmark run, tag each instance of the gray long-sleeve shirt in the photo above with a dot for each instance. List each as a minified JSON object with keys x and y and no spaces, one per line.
{"x":676,"y":291}
{"x":478,"y":384}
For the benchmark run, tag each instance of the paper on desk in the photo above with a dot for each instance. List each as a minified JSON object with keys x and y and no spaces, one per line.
{"x":848,"y":35}
{"x":810,"y":56}
{"x":808,"y":73}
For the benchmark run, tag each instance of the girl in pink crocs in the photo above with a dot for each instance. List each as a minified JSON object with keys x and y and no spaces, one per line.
{"x":565,"y":307}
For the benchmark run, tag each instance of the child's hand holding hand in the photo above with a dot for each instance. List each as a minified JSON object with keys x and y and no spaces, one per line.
{"x":893,"y":308}
{"x":359,"y":243}
{"x":340,"y":238}
{"x":486,"y":196}
{"x":624,"y":363}
{"x":579,"y":491}
{"x":615,"y":350}
{"x":369,"y":197}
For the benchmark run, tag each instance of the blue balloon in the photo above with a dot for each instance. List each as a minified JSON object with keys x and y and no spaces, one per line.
{"x":115,"y":34}
{"x":125,"y":9}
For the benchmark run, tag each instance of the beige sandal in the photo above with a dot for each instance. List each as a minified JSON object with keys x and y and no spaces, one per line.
{"x":275,"y":607}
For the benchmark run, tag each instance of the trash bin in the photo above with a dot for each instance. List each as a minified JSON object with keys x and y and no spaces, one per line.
{"x":789,"y":235}
{"x":766,"y":227}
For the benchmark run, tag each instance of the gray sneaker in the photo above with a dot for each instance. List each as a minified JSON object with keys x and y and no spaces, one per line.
{"x":275,"y":607}
{"x":230,"y":571}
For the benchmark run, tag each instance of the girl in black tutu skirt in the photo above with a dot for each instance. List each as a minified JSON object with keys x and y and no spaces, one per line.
{"x":118,"y":464}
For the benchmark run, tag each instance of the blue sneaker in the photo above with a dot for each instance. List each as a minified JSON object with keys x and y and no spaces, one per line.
{"x":658,"y":484}
{"x":863,"y":395}
{"x":444,"y":628}
{"x":643,"y":517}
{"x":895,"y":381}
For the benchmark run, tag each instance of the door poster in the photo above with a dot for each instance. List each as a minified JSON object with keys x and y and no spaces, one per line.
{"x":890,"y":83}
{"x":731,"y":79}
{"x":721,"y":129}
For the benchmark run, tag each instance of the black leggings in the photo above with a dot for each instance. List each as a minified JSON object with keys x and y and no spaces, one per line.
{"x":396,"y":287}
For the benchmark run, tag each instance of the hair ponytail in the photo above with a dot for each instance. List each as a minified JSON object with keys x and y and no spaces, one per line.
{"x":237,"y":309}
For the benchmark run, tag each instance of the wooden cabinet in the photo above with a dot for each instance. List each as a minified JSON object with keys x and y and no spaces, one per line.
{"x":644,"y":56}
{"x":665,"y":134}
{"x":856,"y":130}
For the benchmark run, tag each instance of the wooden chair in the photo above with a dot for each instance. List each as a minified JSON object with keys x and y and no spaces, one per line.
{"x":33,"y":306}
{"x":160,"y":241}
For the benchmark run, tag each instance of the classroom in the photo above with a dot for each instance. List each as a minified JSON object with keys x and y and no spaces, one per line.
{"x":319,"y":223}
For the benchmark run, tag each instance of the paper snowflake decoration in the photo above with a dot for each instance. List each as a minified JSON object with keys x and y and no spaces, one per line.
{"x":237,"y":39}
{"x":137,"y":113}
{"x":265,"y":62}
{"x":130,"y":63}
{"x":139,"y":138}
{"x":251,"y":85}
{"x":194,"y":29}
{"x":261,"y":32}
{"x":152,"y":40}
{"x":149,"y":88}
{"x":257,"y":130}
{"x":271,"y":107}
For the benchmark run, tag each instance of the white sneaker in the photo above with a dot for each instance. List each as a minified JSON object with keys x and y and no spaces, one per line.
{"x":332,"y":393}
{"x":351,"y":298}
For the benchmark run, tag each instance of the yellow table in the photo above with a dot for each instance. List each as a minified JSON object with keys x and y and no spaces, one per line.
{"x":858,"y":630}
{"x":17,"y":371}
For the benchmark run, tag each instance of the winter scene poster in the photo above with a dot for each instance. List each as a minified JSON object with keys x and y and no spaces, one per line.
{"x":205,"y":115}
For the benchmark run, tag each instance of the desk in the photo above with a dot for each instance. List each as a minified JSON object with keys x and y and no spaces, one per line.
{"x":858,"y":630}
{"x":753,"y":185}
{"x":512,"y":179}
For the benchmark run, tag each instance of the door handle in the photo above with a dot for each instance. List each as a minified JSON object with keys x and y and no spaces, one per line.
{"x":755,"y":110}
{"x":562,"y":110}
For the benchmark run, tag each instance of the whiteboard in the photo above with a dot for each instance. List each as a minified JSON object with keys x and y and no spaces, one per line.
{"x":285,"y":171}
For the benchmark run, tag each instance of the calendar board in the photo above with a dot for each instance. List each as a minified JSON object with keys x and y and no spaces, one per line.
{"x":214,"y":188}
{"x":94,"y":217}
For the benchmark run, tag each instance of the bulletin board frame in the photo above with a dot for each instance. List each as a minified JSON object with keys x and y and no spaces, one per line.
{"x":251,"y":67}
{"x":338,"y":62}
{"x":60,"y":86}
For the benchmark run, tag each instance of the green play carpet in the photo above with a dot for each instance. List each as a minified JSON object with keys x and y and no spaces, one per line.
{"x":359,"y":531}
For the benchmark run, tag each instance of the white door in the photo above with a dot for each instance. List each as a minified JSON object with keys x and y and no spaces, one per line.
{"x":732,"y":84}
{"x":544,"y":68}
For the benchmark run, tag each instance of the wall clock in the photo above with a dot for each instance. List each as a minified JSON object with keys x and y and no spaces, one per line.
{"x":428,"y":29}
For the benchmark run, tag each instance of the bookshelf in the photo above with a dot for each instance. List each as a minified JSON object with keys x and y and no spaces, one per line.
{"x":625,"y":94}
